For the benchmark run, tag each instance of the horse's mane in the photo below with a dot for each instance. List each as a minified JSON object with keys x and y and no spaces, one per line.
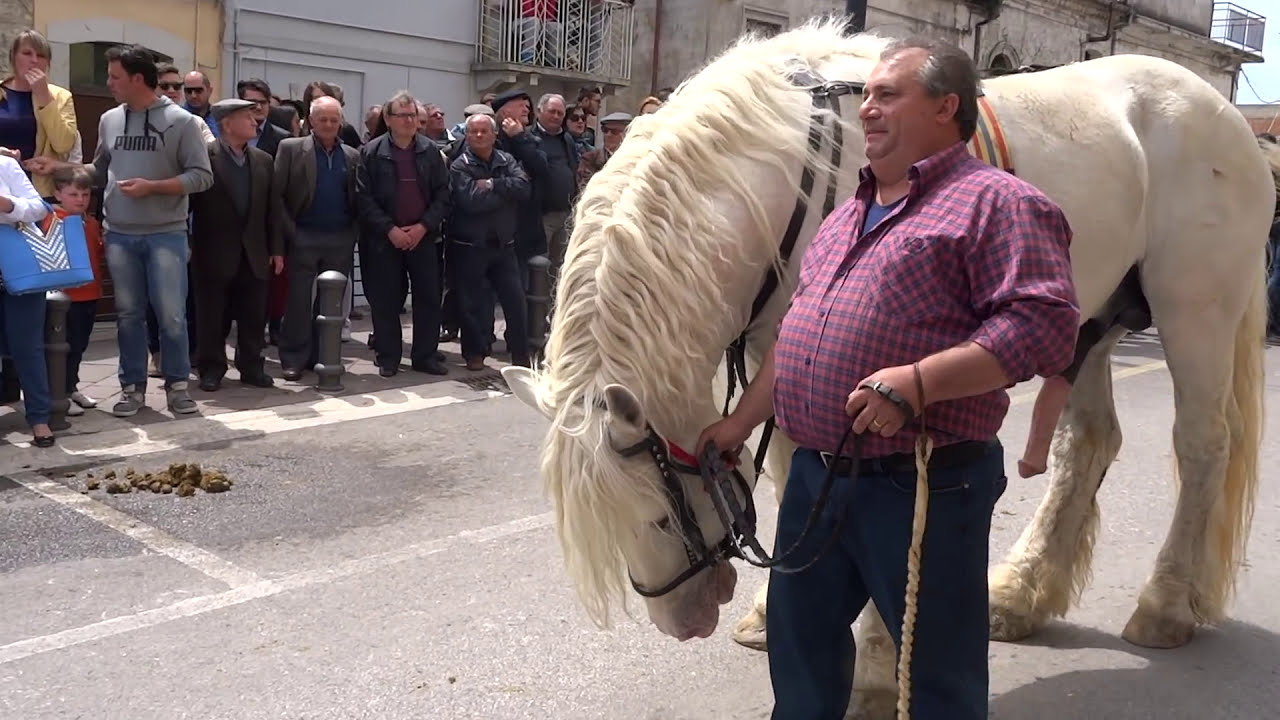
{"x":634,"y":294}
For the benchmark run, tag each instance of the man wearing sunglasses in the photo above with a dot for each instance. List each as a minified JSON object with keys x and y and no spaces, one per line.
{"x":197,"y":91}
{"x":170,"y":85}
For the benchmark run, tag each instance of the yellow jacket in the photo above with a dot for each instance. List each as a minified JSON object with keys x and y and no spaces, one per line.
{"x":55,"y":132}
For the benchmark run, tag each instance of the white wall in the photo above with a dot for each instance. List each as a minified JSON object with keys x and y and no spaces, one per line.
{"x":372,"y":55}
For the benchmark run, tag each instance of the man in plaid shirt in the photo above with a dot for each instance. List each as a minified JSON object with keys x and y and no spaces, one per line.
{"x":947,"y":281}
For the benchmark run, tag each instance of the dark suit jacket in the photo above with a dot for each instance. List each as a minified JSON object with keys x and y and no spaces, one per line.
{"x":269,"y":137}
{"x":295,"y":171}
{"x":219,"y":232}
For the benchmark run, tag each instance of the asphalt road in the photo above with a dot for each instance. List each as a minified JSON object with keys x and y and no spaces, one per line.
{"x":394,"y":559}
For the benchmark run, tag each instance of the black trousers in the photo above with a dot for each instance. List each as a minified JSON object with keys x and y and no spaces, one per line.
{"x":450,"y":308}
{"x":80,"y":318}
{"x":482,"y":272}
{"x":247,"y":306}
{"x":384,"y":269}
{"x":311,"y":254}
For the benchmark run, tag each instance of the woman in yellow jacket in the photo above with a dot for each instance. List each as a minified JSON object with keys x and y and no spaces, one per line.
{"x":37,"y":118}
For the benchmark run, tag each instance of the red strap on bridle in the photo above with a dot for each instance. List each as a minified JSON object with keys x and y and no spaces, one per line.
{"x":682,"y":456}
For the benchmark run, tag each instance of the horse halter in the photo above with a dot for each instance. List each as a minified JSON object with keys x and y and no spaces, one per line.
{"x":719,"y":480}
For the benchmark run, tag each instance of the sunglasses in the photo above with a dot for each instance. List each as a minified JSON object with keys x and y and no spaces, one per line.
{"x":577,"y":117}
{"x":170,"y":85}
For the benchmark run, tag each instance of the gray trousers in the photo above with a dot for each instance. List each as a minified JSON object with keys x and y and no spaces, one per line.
{"x":312,"y":253}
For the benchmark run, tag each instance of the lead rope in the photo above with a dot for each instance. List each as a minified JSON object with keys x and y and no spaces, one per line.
{"x":924,"y":450}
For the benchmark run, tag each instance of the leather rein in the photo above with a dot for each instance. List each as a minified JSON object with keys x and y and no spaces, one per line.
{"x":721,"y":480}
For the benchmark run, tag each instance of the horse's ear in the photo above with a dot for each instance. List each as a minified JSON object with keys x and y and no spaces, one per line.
{"x":524,"y":385}
{"x":627,"y":425}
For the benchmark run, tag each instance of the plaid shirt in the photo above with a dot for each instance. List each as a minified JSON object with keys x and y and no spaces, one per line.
{"x":971,"y":254}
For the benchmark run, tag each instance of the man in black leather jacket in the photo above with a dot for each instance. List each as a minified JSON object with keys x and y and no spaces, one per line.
{"x":488,"y":188}
{"x":403,"y":198}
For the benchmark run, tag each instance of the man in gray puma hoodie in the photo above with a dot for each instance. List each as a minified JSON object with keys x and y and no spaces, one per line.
{"x":151,"y":156}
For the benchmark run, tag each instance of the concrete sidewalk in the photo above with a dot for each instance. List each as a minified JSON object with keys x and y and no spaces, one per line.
{"x":99,"y":381}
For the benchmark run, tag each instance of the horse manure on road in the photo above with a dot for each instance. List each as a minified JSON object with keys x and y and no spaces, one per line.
{"x":181,"y":479}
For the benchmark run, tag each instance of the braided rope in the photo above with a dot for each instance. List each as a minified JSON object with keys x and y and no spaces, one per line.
{"x":924,"y":450}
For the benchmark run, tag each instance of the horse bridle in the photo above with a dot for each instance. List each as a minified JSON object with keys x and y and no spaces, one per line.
{"x":720,"y":479}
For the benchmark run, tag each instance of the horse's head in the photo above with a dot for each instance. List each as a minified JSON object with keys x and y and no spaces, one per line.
{"x":631,"y":507}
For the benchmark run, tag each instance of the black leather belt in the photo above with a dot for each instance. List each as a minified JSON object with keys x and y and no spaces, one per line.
{"x":961,"y":453}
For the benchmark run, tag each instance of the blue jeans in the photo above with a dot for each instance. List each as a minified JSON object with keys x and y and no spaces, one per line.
{"x":150,"y":269}
{"x":811,"y":650}
{"x":22,"y":338}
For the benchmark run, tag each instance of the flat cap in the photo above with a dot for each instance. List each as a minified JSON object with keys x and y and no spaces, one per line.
{"x":616,"y":117}
{"x":223,"y":108}
{"x":477,"y":109}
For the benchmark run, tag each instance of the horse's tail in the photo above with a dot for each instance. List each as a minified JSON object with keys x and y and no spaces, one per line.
{"x":1231,"y":523}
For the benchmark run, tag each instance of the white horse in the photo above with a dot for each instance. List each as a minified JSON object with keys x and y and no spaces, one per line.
{"x":1154,"y":170}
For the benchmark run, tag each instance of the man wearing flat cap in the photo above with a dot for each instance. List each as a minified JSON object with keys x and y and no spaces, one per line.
{"x":236,"y":244}
{"x":613,"y":127}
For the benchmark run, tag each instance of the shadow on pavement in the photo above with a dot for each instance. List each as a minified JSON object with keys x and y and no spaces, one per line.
{"x":1225,"y":672}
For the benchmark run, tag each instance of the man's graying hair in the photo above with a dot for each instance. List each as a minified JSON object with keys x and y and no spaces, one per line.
{"x":946,"y":70}
{"x":546,"y":100}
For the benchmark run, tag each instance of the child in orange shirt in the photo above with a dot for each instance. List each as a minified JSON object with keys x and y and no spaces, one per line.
{"x":72,"y":188}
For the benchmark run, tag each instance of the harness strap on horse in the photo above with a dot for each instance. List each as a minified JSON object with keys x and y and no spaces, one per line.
{"x":825,"y":95}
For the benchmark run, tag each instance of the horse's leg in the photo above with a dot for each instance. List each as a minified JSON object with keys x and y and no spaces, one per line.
{"x":875,"y":687}
{"x":1049,"y":566}
{"x":1216,"y":361}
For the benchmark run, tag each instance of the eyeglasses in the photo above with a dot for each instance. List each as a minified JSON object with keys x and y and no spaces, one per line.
{"x":170,"y":85}
{"x":577,"y":117}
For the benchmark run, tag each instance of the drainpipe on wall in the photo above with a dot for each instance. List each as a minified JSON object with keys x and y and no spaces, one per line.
{"x":1113,"y":24}
{"x":989,"y":10}
{"x":657,"y":43}
{"x":857,"y":12}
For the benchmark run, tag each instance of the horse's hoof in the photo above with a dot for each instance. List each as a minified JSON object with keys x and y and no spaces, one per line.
{"x":1008,"y":625}
{"x":750,"y":632}
{"x":872,"y":705}
{"x":1148,"y":630}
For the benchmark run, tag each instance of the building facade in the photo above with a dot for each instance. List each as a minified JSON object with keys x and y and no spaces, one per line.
{"x":676,"y":37}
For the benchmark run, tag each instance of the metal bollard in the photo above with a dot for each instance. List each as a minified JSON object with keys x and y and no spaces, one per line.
{"x":331,"y":285}
{"x":538,"y":305}
{"x":56,"y":348}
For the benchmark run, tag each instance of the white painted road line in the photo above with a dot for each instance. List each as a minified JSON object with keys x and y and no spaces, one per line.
{"x":224,"y":427}
{"x":155,"y":539}
{"x":261,"y":589}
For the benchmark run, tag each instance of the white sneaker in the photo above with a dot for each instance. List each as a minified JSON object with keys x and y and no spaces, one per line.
{"x":84,"y":401}
{"x":74,"y":410}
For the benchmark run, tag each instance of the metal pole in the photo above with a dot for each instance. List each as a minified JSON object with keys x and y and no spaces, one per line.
{"x":538,"y":304}
{"x":857,"y":12}
{"x":331,"y":285}
{"x":56,"y":348}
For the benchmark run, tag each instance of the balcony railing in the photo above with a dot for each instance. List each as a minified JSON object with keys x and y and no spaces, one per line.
{"x":1235,"y":26}
{"x":592,"y":37}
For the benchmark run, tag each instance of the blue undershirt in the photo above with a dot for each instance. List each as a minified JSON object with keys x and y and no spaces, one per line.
{"x":328,"y":211}
{"x":18,"y":123}
{"x":876,"y":213}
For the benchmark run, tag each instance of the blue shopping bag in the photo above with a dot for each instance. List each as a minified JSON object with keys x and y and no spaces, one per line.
{"x":33,"y":261}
